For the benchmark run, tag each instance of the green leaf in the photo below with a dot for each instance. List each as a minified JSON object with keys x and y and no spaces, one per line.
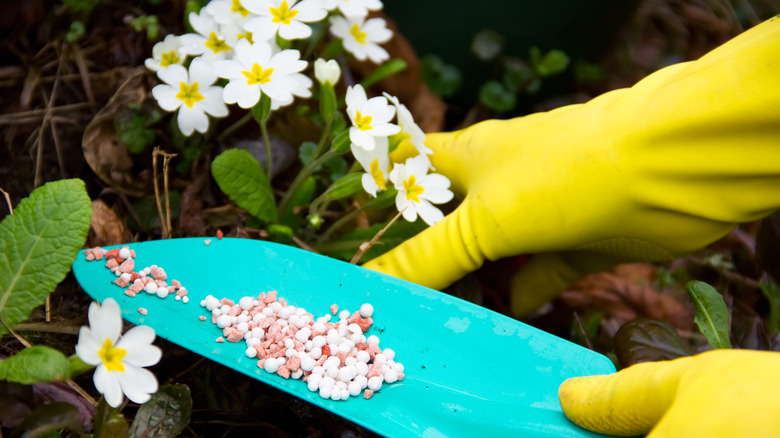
{"x":337,"y":167}
{"x":108,"y":422}
{"x":771,"y":290}
{"x":341,"y":143}
{"x":346,"y":186}
{"x":35,"y":364}
{"x":495,"y":96}
{"x":551,"y":63}
{"x":241,"y":177}
{"x":306,"y":151}
{"x":76,"y":366}
{"x":346,"y":246}
{"x":47,"y":419}
{"x":280,"y":233}
{"x":443,"y":79}
{"x":648,"y":340}
{"x":38,"y":243}
{"x":166,"y":414}
{"x":389,"y":68}
{"x":383,"y":199}
{"x":262,"y":110}
{"x":327,"y":102}
{"x":712,"y":316}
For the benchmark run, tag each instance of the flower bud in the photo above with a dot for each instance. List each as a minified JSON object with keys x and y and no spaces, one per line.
{"x":327,"y":71}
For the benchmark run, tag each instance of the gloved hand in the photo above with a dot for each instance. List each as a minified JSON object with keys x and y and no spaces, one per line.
{"x":717,"y":394}
{"x":647,"y":173}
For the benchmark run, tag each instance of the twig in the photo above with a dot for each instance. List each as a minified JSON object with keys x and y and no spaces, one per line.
{"x":366,"y":245}
{"x":8,"y":201}
{"x":582,"y":330}
{"x":48,"y":328}
{"x":302,"y":244}
{"x":16,"y":335}
{"x":165,"y":220}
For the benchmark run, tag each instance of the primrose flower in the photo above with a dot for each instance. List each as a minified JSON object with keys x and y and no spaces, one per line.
{"x":119,"y":359}
{"x":283,"y":17}
{"x":165,"y":53}
{"x":354,"y":8}
{"x":303,"y":89}
{"x":228,"y":11}
{"x":210,"y":40}
{"x":257,"y":70}
{"x":375,"y":162}
{"x":370,"y":118}
{"x":192,"y":94}
{"x":327,"y":72}
{"x":419,"y":190}
{"x":362,"y":37}
{"x":409,"y":129}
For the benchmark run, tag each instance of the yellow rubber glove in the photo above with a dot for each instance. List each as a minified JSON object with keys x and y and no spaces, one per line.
{"x":717,"y":394}
{"x":647,"y":173}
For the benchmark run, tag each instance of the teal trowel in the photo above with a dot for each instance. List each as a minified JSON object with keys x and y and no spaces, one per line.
{"x":468,"y":371}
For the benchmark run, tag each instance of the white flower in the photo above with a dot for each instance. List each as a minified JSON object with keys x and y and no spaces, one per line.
{"x":327,"y":71}
{"x":417,"y":190}
{"x":119,"y":359}
{"x":192,"y":94}
{"x":355,"y":8}
{"x":375,"y":162}
{"x":210,"y":40}
{"x":166,"y":53}
{"x":409,"y":129}
{"x":286,"y":18}
{"x":303,"y":89}
{"x":257,"y":70}
{"x":228,"y":11}
{"x":370,"y":118}
{"x":361,"y":37}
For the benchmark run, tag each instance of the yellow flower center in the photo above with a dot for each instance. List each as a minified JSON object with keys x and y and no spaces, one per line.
{"x":282,"y":14}
{"x":359,"y":35}
{"x":169,"y":58}
{"x":412,"y":189}
{"x":379,"y":176}
{"x":215,"y":44}
{"x":247,"y":36}
{"x":189,"y":94}
{"x":238,"y":7}
{"x":363,"y":123}
{"x":112,"y":356}
{"x":258,"y":75}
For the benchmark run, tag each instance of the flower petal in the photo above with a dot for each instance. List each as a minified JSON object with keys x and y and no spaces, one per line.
{"x":173,"y":75}
{"x":202,"y":73}
{"x":107,"y":384}
{"x":105,"y":321}
{"x":212,"y":102}
{"x":88,"y":346}
{"x":191,"y":119}
{"x":137,"y":383}
{"x":294,"y":31}
{"x":429,"y":213}
{"x":166,"y":97}
{"x":138,"y":344}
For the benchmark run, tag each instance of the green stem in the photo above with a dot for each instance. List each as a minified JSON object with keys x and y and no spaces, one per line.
{"x":235,"y":126}
{"x":309,"y":168}
{"x":266,"y":140}
{"x":340,"y":223}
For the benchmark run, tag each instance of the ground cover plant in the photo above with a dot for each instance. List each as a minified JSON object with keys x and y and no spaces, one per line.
{"x":277,"y":121}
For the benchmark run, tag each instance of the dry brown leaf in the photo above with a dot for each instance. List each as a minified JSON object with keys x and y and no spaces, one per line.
{"x":626,"y":293}
{"x":104,"y":152}
{"x":105,"y":227}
